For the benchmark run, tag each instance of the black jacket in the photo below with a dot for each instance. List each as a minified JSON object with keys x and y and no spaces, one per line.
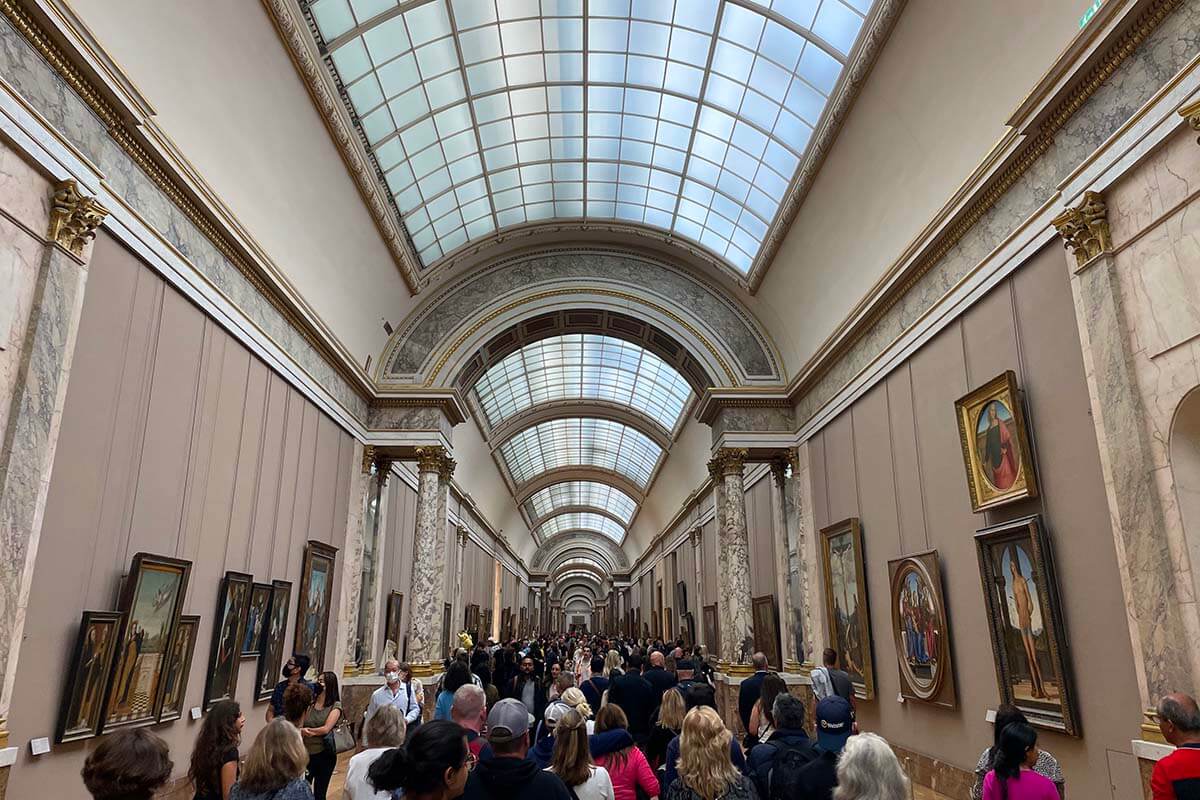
{"x":748,"y":694}
{"x":637,"y":699}
{"x":513,"y":689}
{"x":661,"y":680}
{"x":508,"y":778}
{"x":819,"y":777}
{"x":762,"y":756}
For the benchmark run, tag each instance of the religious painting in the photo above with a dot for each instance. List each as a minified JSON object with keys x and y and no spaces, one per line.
{"x":921,"y":630}
{"x":91,"y":663}
{"x":995,"y":444}
{"x":1025,"y":618}
{"x":270,"y":661}
{"x":765,"y":619}
{"x":316,"y":596}
{"x":151,"y":597}
{"x":228,"y":630}
{"x":846,"y":610}
{"x":179,"y":666}
{"x":472,"y":621}
{"x":256,"y":619}
{"x":655,"y":629}
{"x":450,"y":637}
{"x":391,"y":626}
{"x":711,"y":640}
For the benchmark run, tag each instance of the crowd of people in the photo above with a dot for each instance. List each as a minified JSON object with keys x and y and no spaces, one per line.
{"x":585,"y":718}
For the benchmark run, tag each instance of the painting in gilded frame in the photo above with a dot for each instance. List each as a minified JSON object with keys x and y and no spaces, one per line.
{"x":270,"y":661}
{"x":391,"y":626}
{"x":256,"y":619}
{"x":91,"y":663}
{"x":711,"y":634}
{"x":179,"y":666}
{"x":1016,"y":566}
{"x":921,"y":629}
{"x":995,"y":444}
{"x":765,"y":618}
{"x":847,"y":615}
{"x":316,"y":596}
{"x":228,"y":631}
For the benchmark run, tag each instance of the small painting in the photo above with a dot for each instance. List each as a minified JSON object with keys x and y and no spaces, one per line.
{"x":391,"y":626}
{"x":995,"y":444}
{"x":316,"y":596}
{"x":179,"y":666}
{"x":83,"y":698}
{"x":232,"y":599}
{"x":1016,"y":566}
{"x":711,"y":640}
{"x":151,"y":597}
{"x":847,"y":614}
{"x":270,"y":662}
{"x":921,"y":630}
{"x":256,"y":618}
{"x":765,"y":617}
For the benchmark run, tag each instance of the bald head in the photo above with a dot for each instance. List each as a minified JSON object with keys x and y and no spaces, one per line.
{"x":467,"y":708}
{"x":1179,"y":718}
{"x":656,"y":659}
{"x":759,"y":660}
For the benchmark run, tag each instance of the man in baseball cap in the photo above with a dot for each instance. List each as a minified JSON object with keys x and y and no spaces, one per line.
{"x":509,"y":773}
{"x":835,"y":724}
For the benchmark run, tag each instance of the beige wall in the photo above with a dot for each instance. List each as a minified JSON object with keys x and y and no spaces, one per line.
{"x":894,"y":460}
{"x":177,"y":441}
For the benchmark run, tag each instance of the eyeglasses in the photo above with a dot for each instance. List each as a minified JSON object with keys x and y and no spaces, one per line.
{"x":471,"y":761}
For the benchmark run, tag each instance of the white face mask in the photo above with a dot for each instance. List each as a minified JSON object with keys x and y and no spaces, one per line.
{"x":392,"y":677}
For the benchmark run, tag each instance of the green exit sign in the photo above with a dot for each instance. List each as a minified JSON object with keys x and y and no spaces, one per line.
{"x":1091,"y":12}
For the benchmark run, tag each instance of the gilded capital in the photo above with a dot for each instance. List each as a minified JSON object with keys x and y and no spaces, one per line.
{"x":368,"y":459}
{"x":74,"y":217}
{"x":461,"y":532}
{"x":435,"y":459}
{"x":1084,"y":229}
{"x":1191,"y":113}
{"x":728,"y":461}
{"x":782,"y":464}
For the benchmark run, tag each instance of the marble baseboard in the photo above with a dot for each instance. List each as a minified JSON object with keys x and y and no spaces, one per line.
{"x":935,"y":774}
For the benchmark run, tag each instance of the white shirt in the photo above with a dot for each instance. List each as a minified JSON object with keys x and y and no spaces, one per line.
{"x":598,"y":786}
{"x":822,"y":686}
{"x":407,"y":699}
{"x":357,"y":787}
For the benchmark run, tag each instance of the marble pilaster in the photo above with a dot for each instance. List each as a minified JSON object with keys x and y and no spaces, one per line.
{"x":373,"y":594}
{"x":33,"y":409}
{"x":790,"y":628}
{"x":349,"y":629}
{"x":733,"y":557}
{"x":803,"y":553}
{"x":426,"y":639}
{"x":457,"y":609}
{"x":696,"y":536}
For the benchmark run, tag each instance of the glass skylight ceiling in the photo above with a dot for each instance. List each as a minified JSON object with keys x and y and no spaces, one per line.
{"x":690,"y":116}
{"x":574,"y":442}
{"x":583,"y":366}
{"x":581,"y":493}
{"x":582,"y":521}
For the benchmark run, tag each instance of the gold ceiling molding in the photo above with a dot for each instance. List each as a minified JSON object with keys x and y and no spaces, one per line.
{"x":858,"y":68}
{"x":1124,"y":45}
{"x":293,"y":32}
{"x":1192,"y":114}
{"x":125,"y":134}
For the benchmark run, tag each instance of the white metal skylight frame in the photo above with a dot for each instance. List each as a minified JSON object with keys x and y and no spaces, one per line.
{"x":594,"y":494}
{"x":580,"y":561}
{"x":582,"y":521}
{"x":583,"y":366}
{"x":581,"y":442}
{"x":690,"y":116}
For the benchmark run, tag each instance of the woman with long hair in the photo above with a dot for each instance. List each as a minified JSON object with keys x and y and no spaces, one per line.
{"x":612,"y":663}
{"x":572,"y":760}
{"x":670,"y":722}
{"x":1046,"y":764}
{"x":321,"y":718}
{"x":274,"y":768}
{"x":1012,"y":776}
{"x":457,"y":675}
{"x":574,"y":698}
{"x":432,"y":766}
{"x":706,"y":771}
{"x":613,"y":748}
{"x":867,"y":769}
{"x":214,"y":767}
{"x":761,"y":724}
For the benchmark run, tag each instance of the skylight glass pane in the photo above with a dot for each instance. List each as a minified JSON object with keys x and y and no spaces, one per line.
{"x":582,"y":521}
{"x":763,"y":69}
{"x":581,"y":442}
{"x":581,"y":493}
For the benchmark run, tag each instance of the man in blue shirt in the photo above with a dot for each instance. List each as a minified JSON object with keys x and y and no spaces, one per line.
{"x":295,"y":667}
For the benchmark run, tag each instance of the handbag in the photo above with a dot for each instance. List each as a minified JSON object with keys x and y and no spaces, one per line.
{"x":341,"y":738}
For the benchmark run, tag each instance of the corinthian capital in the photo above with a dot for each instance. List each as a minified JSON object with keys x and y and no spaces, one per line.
{"x":1191,"y":113}
{"x":462,"y":535}
{"x":74,"y":217}
{"x":728,"y":461}
{"x":696,"y":536}
{"x":435,"y":459}
{"x":1084,"y":229}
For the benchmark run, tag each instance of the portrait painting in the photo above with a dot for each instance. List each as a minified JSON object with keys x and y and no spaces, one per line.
{"x":765,"y":619}
{"x":846,"y":610}
{"x":391,"y":626}
{"x":995,"y":444}
{"x":179,"y":666}
{"x":228,"y":630}
{"x":316,"y":596}
{"x":91,"y":663}
{"x":151,"y":597}
{"x":711,"y":638}
{"x":1025,"y":619}
{"x":256,"y":618}
{"x":921,"y":630}
{"x":270,"y":660}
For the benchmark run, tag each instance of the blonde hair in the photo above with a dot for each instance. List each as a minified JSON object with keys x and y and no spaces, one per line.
{"x":670,"y":713}
{"x":275,"y":759}
{"x":612,"y":660}
{"x":868,"y":770}
{"x":572,"y":761}
{"x":575,"y":699}
{"x":704,"y":765}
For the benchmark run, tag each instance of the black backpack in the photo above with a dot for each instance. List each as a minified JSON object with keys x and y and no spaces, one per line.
{"x":783,"y":778}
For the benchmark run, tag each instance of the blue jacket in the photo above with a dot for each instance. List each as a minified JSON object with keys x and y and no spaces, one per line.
{"x":543,"y":752}
{"x":601,"y":744}
{"x":762,"y":755}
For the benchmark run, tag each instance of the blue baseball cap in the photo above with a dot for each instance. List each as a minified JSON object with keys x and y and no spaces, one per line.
{"x":835,"y":723}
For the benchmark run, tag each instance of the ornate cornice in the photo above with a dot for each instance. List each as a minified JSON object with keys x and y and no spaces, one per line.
{"x":715,"y":399}
{"x":1191,"y":113}
{"x":1084,"y":229}
{"x":449,"y":402}
{"x":74,"y":217}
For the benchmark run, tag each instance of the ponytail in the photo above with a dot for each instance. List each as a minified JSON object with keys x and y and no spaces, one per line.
{"x":420,"y":766}
{"x":1016,"y":740}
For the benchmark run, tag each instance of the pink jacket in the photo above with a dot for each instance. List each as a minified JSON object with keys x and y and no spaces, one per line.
{"x":634,"y":772}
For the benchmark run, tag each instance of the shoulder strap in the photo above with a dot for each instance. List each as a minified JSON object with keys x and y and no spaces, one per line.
{"x":571,"y":791}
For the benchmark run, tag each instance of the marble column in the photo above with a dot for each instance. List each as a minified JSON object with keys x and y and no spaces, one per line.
{"x":696,"y":537}
{"x":803,"y":541}
{"x":373,"y":594}
{"x":733,"y":562}
{"x":33,"y":409}
{"x":358,"y":518}
{"x":426,"y":639}
{"x":790,"y":631}
{"x":457,"y":609}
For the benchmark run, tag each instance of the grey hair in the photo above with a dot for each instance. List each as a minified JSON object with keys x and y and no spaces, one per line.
{"x":389,"y":662}
{"x":759,"y":660}
{"x":868,"y":770}
{"x":386,"y":728}
{"x":1183,"y":715}
{"x":788,"y":712}
{"x":469,"y":700}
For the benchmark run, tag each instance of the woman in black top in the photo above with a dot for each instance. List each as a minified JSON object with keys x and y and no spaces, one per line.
{"x":214,"y":767}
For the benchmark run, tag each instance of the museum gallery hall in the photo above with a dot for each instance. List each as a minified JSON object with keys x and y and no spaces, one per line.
{"x":364,"y":330}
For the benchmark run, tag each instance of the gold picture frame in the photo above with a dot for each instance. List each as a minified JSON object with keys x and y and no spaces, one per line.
{"x":995,"y":444}
{"x":847,"y":613}
{"x":921,"y":629}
